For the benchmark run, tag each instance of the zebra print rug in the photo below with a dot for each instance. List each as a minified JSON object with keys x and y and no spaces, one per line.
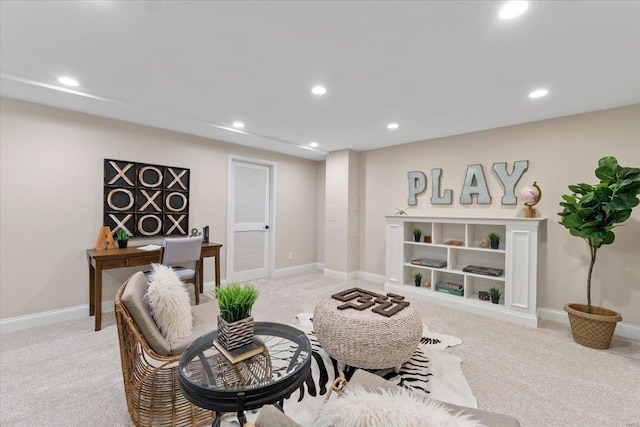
{"x":431,"y":372}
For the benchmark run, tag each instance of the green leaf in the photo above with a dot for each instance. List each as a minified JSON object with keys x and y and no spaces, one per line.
{"x":585,"y":213}
{"x":631,"y":173}
{"x":623,"y":201}
{"x":609,"y":238}
{"x":587,"y":198}
{"x":576,"y":232}
{"x":607,"y":168}
{"x":606,"y":174}
{"x":620,"y":216}
{"x":592,"y":224}
{"x":633,"y":188}
{"x":574,"y":188}
{"x":572,"y":221}
{"x":625,"y":182}
{"x":581,"y":188}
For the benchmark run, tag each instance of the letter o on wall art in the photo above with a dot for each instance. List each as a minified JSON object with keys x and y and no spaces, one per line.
{"x":146,"y":200}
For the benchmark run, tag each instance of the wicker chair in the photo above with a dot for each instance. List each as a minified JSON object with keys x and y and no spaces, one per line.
{"x":150,"y":379}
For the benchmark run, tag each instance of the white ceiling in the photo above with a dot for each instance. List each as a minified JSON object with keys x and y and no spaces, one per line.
{"x":435,"y":68}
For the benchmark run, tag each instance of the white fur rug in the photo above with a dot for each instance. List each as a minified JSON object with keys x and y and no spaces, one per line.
{"x":358,"y":407}
{"x":430,"y":372}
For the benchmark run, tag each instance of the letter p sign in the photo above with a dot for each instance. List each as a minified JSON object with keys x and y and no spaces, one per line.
{"x":417,"y":185}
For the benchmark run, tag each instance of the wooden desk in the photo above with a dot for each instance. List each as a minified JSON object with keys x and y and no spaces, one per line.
{"x":132,"y":257}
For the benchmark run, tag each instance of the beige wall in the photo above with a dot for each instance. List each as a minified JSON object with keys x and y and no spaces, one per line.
{"x":560,"y":152}
{"x":342,"y":222}
{"x":336,"y":211}
{"x":353,"y":216}
{"x":51,"y":206}
{"x":321,"y":211}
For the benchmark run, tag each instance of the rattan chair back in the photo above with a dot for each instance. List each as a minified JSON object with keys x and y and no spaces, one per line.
{"x":151,"y":381}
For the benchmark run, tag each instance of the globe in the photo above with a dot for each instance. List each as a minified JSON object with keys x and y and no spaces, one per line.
{"x":530,"y":194}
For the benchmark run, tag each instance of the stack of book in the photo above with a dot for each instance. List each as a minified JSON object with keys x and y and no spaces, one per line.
{"x":486,"y":271}
{"x":433,"y":263}
{"x":450,"y":288}
{"x":242,"y":353}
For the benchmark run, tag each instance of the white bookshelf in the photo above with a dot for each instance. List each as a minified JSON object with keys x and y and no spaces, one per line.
{"x":517,"y":257}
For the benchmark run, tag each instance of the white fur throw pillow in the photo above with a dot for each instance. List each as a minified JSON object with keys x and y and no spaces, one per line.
{"x":169,"y":303}
{"x":358,"y":407}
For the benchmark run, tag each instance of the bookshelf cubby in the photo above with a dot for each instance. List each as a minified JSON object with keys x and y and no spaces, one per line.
{"x":516,"y":257}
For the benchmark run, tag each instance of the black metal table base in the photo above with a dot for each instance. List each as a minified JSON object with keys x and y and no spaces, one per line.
{"x":242,"y":418}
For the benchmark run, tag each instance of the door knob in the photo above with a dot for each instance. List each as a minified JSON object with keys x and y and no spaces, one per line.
{"x":266,"y":227}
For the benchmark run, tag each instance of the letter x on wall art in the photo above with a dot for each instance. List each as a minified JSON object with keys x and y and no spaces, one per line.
{"x":146,"y":200}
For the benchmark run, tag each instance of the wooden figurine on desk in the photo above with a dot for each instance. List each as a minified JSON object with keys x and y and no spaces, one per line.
{"x":105,"y":240}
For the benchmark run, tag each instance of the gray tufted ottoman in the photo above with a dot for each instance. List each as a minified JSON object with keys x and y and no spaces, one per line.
{"x":365,"y":339}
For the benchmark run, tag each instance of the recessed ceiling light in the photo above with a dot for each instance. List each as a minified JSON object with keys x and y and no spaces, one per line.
{"x":238,"y":125}
{"x":393,"y":126}
{"x":538,"y":93}
{"x":513,"y":9}
{"x":68,"y":81}
{"x":313,"y":144}
{"x":319,"y":90}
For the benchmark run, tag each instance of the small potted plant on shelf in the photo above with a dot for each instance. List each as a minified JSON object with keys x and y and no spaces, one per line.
{"x":235,"y":322}
{"x":416,"y":234}
{"x":495,"y":238}
{"x":591,"y":212}
{"x":495,"y":294}
{"x":122,"y":237}
{"x":417,"y":278}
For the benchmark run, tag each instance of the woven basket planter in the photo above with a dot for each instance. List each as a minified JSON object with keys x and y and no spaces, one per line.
{"x":593,"y":329}
{"x":235,"y":334}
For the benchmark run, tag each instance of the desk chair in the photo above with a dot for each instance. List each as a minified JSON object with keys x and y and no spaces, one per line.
{"x":180,"y":251}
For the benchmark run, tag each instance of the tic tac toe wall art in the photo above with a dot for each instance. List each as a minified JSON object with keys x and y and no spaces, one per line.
{"x":146,"y":200}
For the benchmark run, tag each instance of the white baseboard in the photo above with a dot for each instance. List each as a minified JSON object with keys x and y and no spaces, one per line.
{"x":295,"y":269}
{"x":14,"y":324}
{"x":468,"y":305}
{"x":626,"y":330}
{"x":375,"y":278}
{"x":340,"y":275}
{"x":49,"y":317}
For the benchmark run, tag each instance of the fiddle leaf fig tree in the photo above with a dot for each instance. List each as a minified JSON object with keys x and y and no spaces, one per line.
{"x":591,"y":212}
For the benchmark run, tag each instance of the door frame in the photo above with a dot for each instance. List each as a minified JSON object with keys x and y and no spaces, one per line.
{"x":271,"y":259}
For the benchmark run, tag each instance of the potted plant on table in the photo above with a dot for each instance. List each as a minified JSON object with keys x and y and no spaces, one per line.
{"x":495,"y":238}
{"x":416,"y":234}
{"x":591,"y":212}
{"x":235,"y":323}
{"x":417,"y":279}
{"x":122,"y":237}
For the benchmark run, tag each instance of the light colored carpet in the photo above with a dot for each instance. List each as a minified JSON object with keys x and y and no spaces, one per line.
{"x":68,"y":375}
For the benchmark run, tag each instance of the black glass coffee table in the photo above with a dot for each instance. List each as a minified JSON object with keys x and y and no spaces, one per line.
{"x":207,"y":379}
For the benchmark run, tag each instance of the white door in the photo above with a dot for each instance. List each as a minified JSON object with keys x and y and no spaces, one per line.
{"x":249,"y":224}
